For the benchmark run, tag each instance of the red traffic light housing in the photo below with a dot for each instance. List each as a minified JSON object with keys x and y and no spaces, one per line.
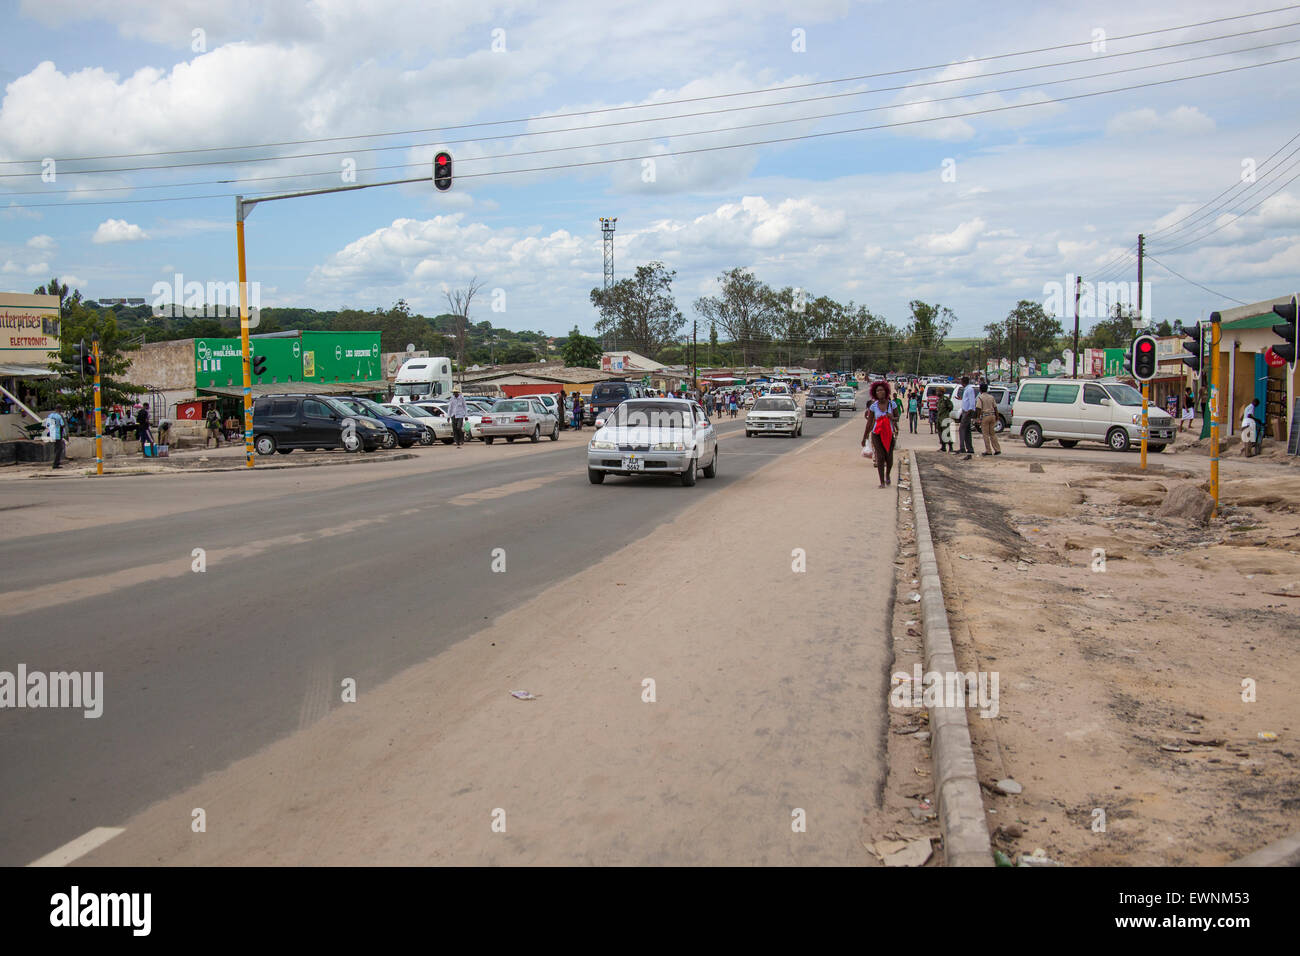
{"x":442,"y":170}
{"x":1288,"y":329}
{"x":1144,"y":358}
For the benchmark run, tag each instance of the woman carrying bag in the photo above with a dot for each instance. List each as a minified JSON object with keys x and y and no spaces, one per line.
{"x":882,"y":430}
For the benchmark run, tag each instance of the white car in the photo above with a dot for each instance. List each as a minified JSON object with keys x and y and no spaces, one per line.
{"x":1072,"y":410}
{"x":848,"y":397}
{"x":437,"y":426}
{"x":654,"y":436}
{"x":774,"y":414}
{"x":512,"y":418}
{"x":475,"y":408}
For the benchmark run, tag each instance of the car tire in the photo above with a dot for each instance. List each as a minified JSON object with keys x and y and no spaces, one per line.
{"x":1117,"y":439}
{"x":510,"y":439}
{"x":390,"y":439}
{"x":426,"y":438}
{"x":1000,"y":425}
{"x":284,"y":451}
{"x":536,"y":436}
{"x":688,"y":476}
{"x":595,"y":477}
{"x":1068,"y":442}
{"x":712,"y":470}
{"x":264,"y":445}
{"x":1033,"y":435}
{"x":487,"y":439}
{"x":748,"y":433}
{"x":555,"y":433}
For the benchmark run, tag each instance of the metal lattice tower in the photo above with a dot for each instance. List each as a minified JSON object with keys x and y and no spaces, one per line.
{"x":607,"y":231}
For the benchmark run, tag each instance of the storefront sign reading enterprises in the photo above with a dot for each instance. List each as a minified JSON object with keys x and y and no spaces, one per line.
{"x":29,"y":329}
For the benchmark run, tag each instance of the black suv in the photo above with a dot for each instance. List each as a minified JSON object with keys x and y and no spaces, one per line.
{"x":821,"y":399}
{"x":285,"y":422}
{"x":611,"y":394}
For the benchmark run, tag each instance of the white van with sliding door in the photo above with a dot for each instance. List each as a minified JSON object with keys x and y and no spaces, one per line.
{"x":1071,"y":410}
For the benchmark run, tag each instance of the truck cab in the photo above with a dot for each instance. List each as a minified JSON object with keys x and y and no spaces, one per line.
{"x":422,"y":379}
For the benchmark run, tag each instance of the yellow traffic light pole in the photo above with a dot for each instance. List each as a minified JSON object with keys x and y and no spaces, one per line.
{"x":99,"y":412}
{"x":1215,"y":333}
{"x":1146,"y":394}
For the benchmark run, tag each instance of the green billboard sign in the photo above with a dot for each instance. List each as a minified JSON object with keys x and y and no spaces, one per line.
{"x":217,"y":362}
{"x":341,"y":357}
{"x":1113,"y":363}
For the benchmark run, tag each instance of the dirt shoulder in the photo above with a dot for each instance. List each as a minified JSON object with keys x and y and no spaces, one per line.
{"x":1125,"y":644}
{"x":769,"y":685}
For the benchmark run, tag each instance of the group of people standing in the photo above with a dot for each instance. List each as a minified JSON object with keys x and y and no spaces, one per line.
{"x":957,"y":415}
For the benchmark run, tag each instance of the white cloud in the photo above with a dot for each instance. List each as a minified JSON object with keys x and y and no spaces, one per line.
{"x":1182,"y":121}
{"x":118,"y":230}
{"x":41,"y":242}
{"x":957,"y":242}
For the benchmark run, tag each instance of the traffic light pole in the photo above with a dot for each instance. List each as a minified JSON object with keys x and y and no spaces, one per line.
{"x":1146,"y":394}
{"x":1215,"y":333}
{"x":99,"y":412}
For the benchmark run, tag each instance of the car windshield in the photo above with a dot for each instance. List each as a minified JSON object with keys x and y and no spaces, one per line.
{"x":651,"y":414}
{"x":1125,"y":394}
{"x":354,"y":407}
{"x":609,"y":392}
{"x":415,"y":411}
{"x":774,"y":405}
{"x":506,"y":405}
{"x":821,"y":390}
{"x":336,"y":406}
{"x":374,"y":408}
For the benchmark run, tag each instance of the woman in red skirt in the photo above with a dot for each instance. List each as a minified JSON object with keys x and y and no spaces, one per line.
{"x":882,"y":429}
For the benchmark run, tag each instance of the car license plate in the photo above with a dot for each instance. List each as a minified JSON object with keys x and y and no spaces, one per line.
{"x":633,"y":463}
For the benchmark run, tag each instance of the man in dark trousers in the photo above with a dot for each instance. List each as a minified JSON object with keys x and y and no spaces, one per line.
{"x":559,"y":411}
{"x":58,"y":429}
{"x":142,"y":427}
{"x":577,"y":411}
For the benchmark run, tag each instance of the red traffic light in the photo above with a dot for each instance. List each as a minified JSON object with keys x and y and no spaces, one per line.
{"x":442,"y":170}
{"x":1144,"y":345}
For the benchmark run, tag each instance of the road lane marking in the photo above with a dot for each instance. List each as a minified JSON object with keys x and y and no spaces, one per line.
{"x":502,"y":491}
{"x":79,"y":847}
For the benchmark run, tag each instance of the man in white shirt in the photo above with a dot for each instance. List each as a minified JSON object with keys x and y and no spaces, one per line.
{"x":57,"y":428}
{"x":457,"y":410}
{"x":969,"y":396}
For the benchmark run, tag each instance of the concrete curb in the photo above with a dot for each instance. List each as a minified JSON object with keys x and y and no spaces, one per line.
{"x":88,"y":472}
{"x":1285,"y":852}
{"x":956,"y":782}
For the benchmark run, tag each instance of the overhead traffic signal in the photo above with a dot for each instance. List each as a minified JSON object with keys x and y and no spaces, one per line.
{"x":1288,"y":329}
{"x":442,"y":170}
{"x":1195,"y":344}
{"x":1143,"y":361}
{"x":79,"y":353}
{"x":88,"y":362}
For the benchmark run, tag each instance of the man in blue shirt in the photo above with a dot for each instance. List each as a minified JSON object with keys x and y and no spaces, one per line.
{"x":58,"y":429}
{"x":969,"y":397}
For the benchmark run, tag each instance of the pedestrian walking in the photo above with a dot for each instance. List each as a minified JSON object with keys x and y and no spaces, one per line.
{"x":213,"y":421}
{"x":458,"y":410}
{"x":56,"y":427}
{"x":987,"y":409}
{"x":577,"y":411}
{"x":1189,"y":410}
{"x":968,"y":399}
{"x":560,"y":410}
{"x":142,"y":427}
{"x":933,"y":403}
{"x":733,"y":404}
{"x":881,"y":430}
{"x":947,"y":421}
{"x":1252,"y":430}
{"x":913,"y":410}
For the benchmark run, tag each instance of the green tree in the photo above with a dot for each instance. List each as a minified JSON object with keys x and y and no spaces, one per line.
{"x":744,"y":311}
{"x":640,"y":311}
{"x":1028,"y":330}
{"x":581,"y":351}
{"x":1113,"y":332}
{"x":81,"y":323}
{"x":925,"y":332}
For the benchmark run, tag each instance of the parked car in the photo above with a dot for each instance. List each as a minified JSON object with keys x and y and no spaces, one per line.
{"x":654,"y":436}
{"x":475,"y":406}
{"x":774,"y":414}
{"x":282,"y":423}
{"x":848,"y":397}
{"x":610,"y":394}
{"x":822,"y":400}
{"x":400,"y":431}
{"x":435,"y":427}
{"x":512,"y":418}
{"x":1002,"y":395}
{"x":549,"y":399}
{"x":1072,"y":410}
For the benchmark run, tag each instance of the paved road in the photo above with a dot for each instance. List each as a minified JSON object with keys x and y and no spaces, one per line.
{"x":312,"y":576}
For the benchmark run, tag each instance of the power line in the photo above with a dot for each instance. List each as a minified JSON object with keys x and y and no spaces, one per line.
{"x":1192,"y":282}
{"x":694,"y":99}
{"x":732,"y":109}
{"x":1233,"y":219}
{"x":798,"y":119}
{"x":766,"y":142}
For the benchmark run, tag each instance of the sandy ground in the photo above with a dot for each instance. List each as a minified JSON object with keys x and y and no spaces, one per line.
{"x":1121,"y":690}
{"x":769,"y":707}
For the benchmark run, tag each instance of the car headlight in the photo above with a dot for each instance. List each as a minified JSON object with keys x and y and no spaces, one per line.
{"x":668,"y":446}
{"x":601,"y":446}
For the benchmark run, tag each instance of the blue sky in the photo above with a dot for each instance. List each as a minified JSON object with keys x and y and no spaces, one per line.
{"x":974,"y":213}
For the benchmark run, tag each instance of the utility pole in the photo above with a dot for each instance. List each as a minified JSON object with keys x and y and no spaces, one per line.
{"x":1074,"y":355}
{"x":695,"y":363}
{"x":607,"y":234}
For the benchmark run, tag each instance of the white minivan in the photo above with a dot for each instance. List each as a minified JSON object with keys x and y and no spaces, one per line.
{"x":1071,"y":410}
